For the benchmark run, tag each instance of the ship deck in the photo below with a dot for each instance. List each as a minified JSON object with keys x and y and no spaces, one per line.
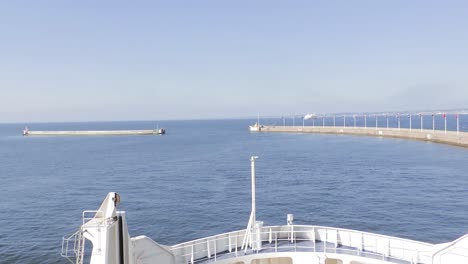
{"x":302,"y":246}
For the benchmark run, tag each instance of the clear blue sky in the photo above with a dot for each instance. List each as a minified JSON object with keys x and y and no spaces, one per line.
{"x":153,"y":60}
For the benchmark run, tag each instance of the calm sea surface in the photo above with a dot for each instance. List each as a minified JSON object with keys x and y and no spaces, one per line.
{"x":195,"y":182}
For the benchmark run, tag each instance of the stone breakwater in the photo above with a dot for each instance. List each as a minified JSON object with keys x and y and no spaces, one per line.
{"x":438,"y":136}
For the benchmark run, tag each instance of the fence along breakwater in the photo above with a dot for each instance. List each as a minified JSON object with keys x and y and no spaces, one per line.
{"x":438,"y":136}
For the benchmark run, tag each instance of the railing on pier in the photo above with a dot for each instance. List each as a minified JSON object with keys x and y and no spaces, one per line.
{"x":435,"y":121}
{"x":298,"y":238}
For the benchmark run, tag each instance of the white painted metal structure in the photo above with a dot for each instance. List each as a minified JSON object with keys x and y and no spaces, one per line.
{"x":256,"y":127}
{"x":309,"y":116}
{"x":106,"y":229}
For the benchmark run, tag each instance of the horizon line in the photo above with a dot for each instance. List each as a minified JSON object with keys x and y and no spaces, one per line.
{"x":460,"y":111}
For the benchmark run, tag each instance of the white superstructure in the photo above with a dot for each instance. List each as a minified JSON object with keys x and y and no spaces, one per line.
{"x":256,"y":127}
{"x":309,"y":116}
{"x":106,"y":229}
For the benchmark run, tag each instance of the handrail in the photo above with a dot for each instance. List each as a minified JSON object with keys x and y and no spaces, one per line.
{"x":295,"y":246}
{"x":312,"y":226}
{"x":458,"y":254}
{"x":356,"y":231}
{"x":72,"y":247}
{"x":203,"y":248}
{"x":448,"y":246}
{"x":95,"y":215}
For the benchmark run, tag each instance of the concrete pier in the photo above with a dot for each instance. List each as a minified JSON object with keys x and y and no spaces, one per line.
{"x":438,"y":136}
{"x":94,"y":133}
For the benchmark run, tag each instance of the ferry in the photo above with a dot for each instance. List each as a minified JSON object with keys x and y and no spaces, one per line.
{"x":110,"y":243}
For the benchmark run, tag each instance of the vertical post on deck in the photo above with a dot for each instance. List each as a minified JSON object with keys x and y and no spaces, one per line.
{"x":191,"y":258}
{"x":252,"y":165}
{"x":248,"y":236}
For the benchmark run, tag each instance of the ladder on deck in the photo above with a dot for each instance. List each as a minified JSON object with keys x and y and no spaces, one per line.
{"x":73,"y":247}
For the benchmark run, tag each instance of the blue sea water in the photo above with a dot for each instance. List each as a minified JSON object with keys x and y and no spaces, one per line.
{"x":195,"y":181}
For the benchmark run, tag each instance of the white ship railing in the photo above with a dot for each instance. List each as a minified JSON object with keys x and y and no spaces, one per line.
{"x":453,"y":251}
{"x":298,"y":238}
{"x":73,"y":245}
{"x":87,"y":215}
